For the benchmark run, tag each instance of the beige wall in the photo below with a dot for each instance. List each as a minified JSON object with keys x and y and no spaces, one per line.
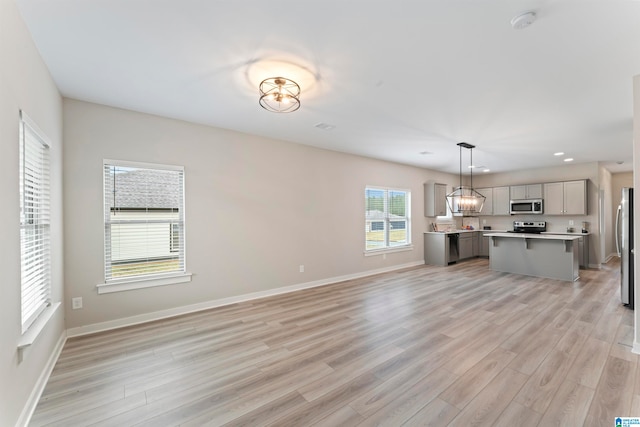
{"x":24,"y":84}
{"x":255,"y":210}
{"x":618,"y":182}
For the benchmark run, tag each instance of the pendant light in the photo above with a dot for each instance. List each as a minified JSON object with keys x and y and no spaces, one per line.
{"x":465,"y":200}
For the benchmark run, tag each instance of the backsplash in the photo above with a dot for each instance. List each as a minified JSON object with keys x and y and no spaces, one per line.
{"x":472,"y":222}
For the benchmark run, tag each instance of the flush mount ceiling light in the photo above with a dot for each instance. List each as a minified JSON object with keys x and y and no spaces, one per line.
{"x":523,"y":20}
{"x":280,"y":95}
{"x":463,"y":199}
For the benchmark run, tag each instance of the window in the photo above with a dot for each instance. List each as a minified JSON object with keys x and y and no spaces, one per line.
{"x":35,"y":223}
{"x":174,"y":237}
{"x":387,"y":218}
{"x":144,"y":221}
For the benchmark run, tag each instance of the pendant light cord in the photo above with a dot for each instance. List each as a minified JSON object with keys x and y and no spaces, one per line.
{"x":471,"y":168}
{"x":460,"y":166}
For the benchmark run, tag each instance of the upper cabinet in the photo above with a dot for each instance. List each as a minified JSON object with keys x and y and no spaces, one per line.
{"x":565,"y":198}
{"x":501,"y":200}
{"x":435,"y":199}
{"x":487,"y":208}
{"x":529,"y":191}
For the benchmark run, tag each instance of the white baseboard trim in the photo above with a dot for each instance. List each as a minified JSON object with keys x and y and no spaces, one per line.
{"x":34,"y":397}
{"x":177,"y":311}
{"x":610,"y":256}
{"x":636,"y":347}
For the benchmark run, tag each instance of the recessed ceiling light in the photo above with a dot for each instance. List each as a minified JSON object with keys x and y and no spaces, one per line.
{"x":559,"y":153}
{"x":568,"y":159}
{"x":486,"y":170}
{"x":523,"y":20}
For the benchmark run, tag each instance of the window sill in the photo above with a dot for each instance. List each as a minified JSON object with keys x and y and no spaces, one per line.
{"x":373,"y":252}
{"x":147,"y":282}
{"x":30,"y":336}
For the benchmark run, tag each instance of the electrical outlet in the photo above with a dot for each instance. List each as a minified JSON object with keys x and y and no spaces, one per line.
{"x":484,"y":221}
{"x":384,"y":256}
{"x":570,"y":222}
{"x":301,"y":268}
{"x":76,"y":303}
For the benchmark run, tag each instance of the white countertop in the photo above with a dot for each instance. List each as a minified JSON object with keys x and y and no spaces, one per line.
{"x":464,"y":231}
{"x":535,"y":236}
{"x":575,"y":233}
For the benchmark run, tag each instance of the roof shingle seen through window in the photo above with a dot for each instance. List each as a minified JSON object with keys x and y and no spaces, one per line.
{"x":144,"y":188}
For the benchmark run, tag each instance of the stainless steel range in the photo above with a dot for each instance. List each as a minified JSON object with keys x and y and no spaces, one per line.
{"x":531,"y":227}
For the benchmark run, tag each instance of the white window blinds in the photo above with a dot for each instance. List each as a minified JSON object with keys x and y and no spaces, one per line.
{"x":144,"y":220}
{"x":35,"y":252}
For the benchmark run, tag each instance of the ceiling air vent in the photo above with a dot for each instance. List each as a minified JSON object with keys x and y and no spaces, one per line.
{"x":325,"y":126}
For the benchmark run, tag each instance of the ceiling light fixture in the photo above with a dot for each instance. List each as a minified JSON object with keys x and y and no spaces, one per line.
{"x":279,"y":95}
{"x":568,"y":159}
{"x":463,"y":199}
{"x":559,"y":153}
{"x":523,"y":20}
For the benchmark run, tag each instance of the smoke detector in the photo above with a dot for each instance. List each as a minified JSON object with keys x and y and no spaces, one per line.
{"x":523,"y":20}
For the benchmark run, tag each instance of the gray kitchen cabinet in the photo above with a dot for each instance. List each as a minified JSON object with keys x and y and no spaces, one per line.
{"x":483,"y":243}
{"x":565,"y":198}
{"x":487,"y":208}
{"x":476,"y":243}
{"x":435,"y":199}
{"x":437,"y":249}
{"x":583,"y":251}
{"x":501,"y":200}
{"x":527,"y":191}
{"x":465,"y":245}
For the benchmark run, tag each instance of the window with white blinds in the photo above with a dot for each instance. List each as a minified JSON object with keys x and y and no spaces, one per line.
{"x":387,"y":218}
{"x":35,"y":222}
{"x":143,"y":221}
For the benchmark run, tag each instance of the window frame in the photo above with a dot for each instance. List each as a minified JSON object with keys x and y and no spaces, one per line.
{"x":387,"y":220}
{"x":126,"y":283}
{"x":39,"y":281}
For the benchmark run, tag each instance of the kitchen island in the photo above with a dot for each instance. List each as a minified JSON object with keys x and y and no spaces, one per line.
{"x":541,"y":255}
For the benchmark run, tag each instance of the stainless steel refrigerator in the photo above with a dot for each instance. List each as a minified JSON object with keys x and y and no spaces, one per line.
{"x":624,"y":244}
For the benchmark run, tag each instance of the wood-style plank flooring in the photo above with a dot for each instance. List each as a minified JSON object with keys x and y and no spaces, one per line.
{"x":426,"y":346}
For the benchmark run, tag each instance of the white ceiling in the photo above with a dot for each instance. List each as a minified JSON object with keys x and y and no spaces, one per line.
{"x":395,"y":78}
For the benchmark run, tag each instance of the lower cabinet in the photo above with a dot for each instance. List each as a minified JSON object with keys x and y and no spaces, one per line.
{"x":465,"y":245}
{"x":448,"y":248}
{"x":483,"y":244}
{"x":583,"y":251}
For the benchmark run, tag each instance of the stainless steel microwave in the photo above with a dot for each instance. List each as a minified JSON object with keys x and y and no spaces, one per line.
{"x":529,"y":206}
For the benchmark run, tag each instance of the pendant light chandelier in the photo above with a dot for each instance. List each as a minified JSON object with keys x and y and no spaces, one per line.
{"x":463,"y":199}
{"x":279,"y":95}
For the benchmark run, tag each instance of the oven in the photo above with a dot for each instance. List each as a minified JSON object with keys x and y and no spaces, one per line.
{"x":529,"y":227}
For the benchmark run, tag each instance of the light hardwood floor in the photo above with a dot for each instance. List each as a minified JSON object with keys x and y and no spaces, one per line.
{"x":440,"y":346}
